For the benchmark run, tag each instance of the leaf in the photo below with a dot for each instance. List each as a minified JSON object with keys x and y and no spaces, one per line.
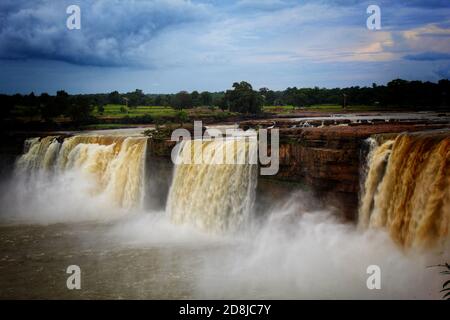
{"x":445,"y":290}
{"x":446,"y":295}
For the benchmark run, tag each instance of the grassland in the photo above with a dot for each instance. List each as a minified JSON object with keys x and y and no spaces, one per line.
{"x":119,"y":111}
{"x":117,"y":116}
{"x":324,"y":108}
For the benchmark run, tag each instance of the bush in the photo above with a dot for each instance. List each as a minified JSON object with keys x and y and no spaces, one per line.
{"x":100,"y":109}
{"x":181,"y":117}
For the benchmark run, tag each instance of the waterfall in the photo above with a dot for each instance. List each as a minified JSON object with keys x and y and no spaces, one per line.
{"x":407,"y":189}
{"x":38,"y":154}
{"x":208,"y":192}
{"x":373,"y":174}
{"x":214,"y":192}
{"x":114,"y":165}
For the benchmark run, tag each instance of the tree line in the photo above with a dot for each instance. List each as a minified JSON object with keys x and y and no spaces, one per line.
{"x":396,"y":94}
{"x":240,"y":98}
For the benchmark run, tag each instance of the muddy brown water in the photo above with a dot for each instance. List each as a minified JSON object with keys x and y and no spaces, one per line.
{"x":34,"y":260}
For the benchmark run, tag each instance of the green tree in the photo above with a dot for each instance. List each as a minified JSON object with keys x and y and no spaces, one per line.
{"x":182,"y":117}
{"x":159,"y":100}
{"x":80,"y":108}
{"x":100,"y":109}
{"x":114,"y":98}
{"x":299,"y":99}
{"x":195,"y":97}
{"x":243,"y":98}
{"x":206,"y":98}
{"x":48,"y":107}
{"x":268,"y":96}
{"x":62,"y":101}
{"x":182,"y":100}
{"x":135,"y":98}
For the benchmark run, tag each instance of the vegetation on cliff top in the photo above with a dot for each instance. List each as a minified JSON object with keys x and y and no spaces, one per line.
{"x":137,"y":107}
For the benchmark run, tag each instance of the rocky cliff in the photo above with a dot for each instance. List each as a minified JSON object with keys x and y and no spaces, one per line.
{"x":327,"y":159}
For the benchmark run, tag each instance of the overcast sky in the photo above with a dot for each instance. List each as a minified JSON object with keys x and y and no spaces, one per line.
{"x":165,"y":46}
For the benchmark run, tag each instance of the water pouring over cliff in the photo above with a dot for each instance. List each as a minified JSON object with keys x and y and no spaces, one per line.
{"x":297,"y":249}
{"x":207,"y":191}
{"x":113,"y":165}
{"x":407,"y":189}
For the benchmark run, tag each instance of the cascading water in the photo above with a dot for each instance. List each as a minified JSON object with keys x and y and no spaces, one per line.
{"x":214,"y":193}
{"x":296,"y":251}
{"x":113,"y":165}
{"x":38,"y":154}
{"x":209,"y":193}
{"x":373,"y":173}
{"x":407,"y":189}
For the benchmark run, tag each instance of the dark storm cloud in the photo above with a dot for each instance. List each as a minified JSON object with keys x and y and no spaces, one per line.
{"x":113,"y":33}
{"x":172,"y":45}
{"x":122,"y":33}
{"x":428,"y":56}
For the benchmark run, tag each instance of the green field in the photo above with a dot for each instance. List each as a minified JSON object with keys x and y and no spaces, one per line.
{"x":322,"y":107}
{"x":278,"y":109}
{"x":118,"y":111}
{"x":163,"y":114}
{"x":156,"y":113}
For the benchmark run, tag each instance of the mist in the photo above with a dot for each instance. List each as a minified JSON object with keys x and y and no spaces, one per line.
{"x":293,"y":254}
{"x":298,"y":249}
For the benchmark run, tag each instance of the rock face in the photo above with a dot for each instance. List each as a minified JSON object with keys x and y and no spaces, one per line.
{"x":327,"y":160}
{"x":324,"y":158}
{"x":321,"y":161}
{"x":159,"y":169}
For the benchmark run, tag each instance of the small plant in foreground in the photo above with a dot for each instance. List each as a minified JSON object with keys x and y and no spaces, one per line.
{"x":446,"y":286}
